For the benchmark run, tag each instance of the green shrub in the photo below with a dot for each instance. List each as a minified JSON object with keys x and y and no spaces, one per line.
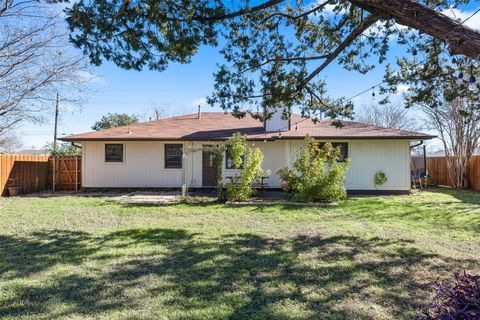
{"x":316,"y":173}
{"x":237,"y":146}
{"x":249,"y":160}
{"x":251,"y":169}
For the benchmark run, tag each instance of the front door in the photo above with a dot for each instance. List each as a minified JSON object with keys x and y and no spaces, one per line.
{"x":209,"y":169}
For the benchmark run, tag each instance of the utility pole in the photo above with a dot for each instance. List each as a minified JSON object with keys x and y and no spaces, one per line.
{"x":56,"y":125}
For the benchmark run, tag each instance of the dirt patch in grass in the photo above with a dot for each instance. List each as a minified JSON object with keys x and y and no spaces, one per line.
{"x":163,"y":198}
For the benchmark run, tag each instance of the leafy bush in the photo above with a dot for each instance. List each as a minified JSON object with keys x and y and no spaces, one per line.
{"x":316,"y":173}
{"x":251,"y":169}
{"x":288,"y":177}
{"x":237,"y":146}
{"x":455,"y":301}
{"x":249,"y":160}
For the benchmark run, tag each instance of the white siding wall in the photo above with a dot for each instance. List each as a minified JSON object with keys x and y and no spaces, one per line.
{"x":370,"y":156}
{"x":143,"y":164}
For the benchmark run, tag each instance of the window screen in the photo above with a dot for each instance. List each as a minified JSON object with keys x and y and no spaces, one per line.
{"x":114,"y":152}
{"x":173,"y":156}
{"x":343,"y":150}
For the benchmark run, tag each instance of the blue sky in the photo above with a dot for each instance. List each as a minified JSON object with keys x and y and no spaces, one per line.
{"x":178,"y":90}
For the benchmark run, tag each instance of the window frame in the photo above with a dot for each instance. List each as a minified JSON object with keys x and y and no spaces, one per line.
{"x":165,"y":160}
{"x":338,"y":144}
{"x":122,"y":160}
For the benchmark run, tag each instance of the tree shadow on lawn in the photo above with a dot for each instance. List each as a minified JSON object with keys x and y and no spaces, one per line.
{"x":465,"y":196}
{"x":235,"y":276}
{"x":23,"y":256}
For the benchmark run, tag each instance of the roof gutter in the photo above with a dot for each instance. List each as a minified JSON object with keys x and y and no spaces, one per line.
{"x":416,"y":145}
{"x":274,"y":138}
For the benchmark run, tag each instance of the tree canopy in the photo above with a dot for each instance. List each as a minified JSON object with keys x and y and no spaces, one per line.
{"x":63,"y":149}
{"x":113,"y":120}
{"x":274,"y":50}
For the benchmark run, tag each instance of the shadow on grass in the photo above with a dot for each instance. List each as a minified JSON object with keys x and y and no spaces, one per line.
{"x":177,"y":274}
{"x":21,"y":257}
{"x":465,"y":196}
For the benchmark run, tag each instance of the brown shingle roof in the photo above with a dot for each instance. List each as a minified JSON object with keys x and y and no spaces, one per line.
{"x":220,"y":126}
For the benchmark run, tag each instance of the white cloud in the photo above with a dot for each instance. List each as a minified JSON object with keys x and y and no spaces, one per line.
{"x":199,"y":102}
{"x":473,"y":22}
{"x":87,"y":76}
{"x":329,"y":9}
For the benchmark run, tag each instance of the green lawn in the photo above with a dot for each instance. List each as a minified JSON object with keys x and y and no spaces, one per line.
{"x":368,"y":258}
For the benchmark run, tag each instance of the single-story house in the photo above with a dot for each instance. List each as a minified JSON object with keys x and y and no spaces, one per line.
{"x":151,"y":154}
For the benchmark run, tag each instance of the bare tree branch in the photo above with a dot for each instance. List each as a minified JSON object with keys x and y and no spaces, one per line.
{"x":367,"y":23}
{"x":35,"y":63}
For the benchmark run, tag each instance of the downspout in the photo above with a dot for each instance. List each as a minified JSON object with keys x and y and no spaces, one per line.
{"x":184,"y":172}
{"x":425,"y":159}
{"x":424,"y":155}
{"x":416,"y":145}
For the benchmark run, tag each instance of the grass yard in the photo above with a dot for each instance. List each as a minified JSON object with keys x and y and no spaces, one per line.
{"x":368,"y":258}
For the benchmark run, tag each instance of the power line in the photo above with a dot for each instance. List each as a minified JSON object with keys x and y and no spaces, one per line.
{"x":468,"y":18}
{"x":383,"y":81}
{"x":366,"y":90}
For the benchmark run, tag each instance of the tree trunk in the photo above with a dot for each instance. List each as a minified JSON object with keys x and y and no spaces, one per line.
{"x":457,"y":167}
{"x":460,"y":39}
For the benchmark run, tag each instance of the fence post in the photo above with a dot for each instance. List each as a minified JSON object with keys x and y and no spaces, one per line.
{"x":76,"y":173}
{"x":53,"y":173}
{"x":1,"y":175}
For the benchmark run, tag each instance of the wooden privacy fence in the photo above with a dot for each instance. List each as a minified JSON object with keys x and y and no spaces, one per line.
{"x":27,"y":171}
{"x":65,"y":173}
{"x":38,"y":173}
{"x":437,"y":169}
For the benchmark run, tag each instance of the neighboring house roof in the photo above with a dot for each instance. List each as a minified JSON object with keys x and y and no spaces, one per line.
{"x":220,"y":126}
{"x":438,"y":153}
{"x":441,"y":153}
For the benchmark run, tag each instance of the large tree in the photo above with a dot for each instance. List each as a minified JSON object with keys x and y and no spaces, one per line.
{"x":113,"y":120}
{"x":458,"y":125}
{"x":389,"y":116}
{"x":274,"y":50}
{"x":36,"y":62}
{"x":449,"y":97}
{"x":9,"y":142}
